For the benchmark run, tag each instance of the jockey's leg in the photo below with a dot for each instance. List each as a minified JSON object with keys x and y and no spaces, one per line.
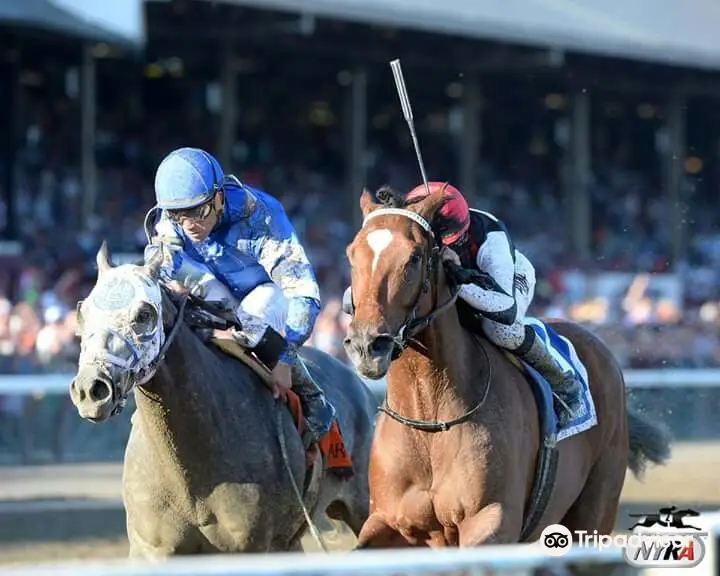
{"x":268,"y":303}
{"x":523,"y":341}
{"x":319,"y":413}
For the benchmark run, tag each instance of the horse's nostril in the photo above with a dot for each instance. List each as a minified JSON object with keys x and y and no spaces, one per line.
{"x":100,"y":391}
{"x":381,"y":345}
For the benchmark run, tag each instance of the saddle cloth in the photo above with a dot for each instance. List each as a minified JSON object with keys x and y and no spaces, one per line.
{"x":564,"y":352}
{"x":332,"y":445}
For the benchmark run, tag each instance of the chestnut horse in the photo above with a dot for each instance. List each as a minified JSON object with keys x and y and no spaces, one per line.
{"x":456,"y":450}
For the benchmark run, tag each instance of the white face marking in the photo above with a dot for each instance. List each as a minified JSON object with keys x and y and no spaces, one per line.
{"x":378,"y":240}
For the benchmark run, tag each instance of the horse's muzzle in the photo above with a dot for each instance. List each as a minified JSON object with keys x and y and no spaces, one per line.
{"x":92,"y":395}
{"x":370,"y":353}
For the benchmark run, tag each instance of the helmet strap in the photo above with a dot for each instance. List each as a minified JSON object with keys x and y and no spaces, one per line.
{"x":219,"y":211}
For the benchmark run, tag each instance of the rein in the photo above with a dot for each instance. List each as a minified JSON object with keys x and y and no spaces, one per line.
{"x":413,"y":325}
{"x":150,"y":370}
{"x":440,"y":425}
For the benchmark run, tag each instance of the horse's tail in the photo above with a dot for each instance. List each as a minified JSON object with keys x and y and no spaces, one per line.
{"x":649,"y":442}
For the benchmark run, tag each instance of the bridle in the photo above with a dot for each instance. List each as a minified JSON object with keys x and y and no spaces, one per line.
{"x":413,"y":325}
{"x":135,"y":378}
{"x":155,"y":363}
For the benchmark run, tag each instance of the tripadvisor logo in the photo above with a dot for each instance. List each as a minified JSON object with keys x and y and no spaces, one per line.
{"x":659,"y":540}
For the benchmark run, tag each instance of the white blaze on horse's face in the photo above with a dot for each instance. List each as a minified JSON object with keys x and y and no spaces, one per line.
{"x":378,"y":240}
{"x":120,"y":322}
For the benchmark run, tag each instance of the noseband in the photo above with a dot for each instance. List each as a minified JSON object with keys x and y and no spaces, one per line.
{"x":413,"y":325}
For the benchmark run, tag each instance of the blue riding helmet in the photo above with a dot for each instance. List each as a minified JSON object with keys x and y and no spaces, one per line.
{"x":186,"y":178}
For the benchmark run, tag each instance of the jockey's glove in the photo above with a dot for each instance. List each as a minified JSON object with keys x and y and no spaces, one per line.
{"x":458,"y":276}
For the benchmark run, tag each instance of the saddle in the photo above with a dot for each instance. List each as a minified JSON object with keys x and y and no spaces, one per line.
{"x":232,"y":348}
{"x":205,"y":319}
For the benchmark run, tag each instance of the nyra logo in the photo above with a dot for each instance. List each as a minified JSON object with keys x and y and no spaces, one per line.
{"x":665,"y":540}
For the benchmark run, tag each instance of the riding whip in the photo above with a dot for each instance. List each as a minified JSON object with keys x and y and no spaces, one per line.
{"x":407,"y":112}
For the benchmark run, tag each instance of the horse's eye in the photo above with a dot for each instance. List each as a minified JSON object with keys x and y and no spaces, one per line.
{"x":415,"y":259}
{"x":146,"y":318}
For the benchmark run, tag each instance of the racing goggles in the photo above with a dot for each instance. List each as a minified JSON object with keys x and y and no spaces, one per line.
{"x":197,"y":213}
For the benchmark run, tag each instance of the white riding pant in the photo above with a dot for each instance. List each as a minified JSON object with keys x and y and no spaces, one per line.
{"x":263,"y":306}
{"x":511,"y":336}
{"x":268,"y":304}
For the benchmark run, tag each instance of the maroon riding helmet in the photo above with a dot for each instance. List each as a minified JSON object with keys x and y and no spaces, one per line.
{"x":452,"y":220}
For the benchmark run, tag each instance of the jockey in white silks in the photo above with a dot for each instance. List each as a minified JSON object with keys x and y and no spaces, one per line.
{"x":234,"y":246}
{"x":479,"y":241}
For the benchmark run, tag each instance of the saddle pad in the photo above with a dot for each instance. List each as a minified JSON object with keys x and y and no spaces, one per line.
{"x":563,"y":351}
{"x":332,"y":445}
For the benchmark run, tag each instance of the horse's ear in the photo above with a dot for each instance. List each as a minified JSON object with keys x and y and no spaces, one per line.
{"x":154,"y":263}
{"x":367,"y":203}
{"x":103,"y":259}
{"x":431,"y":204}
{"x":79,"y":321}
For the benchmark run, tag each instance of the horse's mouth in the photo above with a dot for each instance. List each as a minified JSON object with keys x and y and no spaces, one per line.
{"x":373,"y":368}
{"x":373,"y":374}
{"x":96,"y":414}
{"x":93,"y":396}
{"x":370,"y":359}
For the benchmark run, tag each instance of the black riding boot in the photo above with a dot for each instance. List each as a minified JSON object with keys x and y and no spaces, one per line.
{"x":565,"y":385}
{"x":319,"y":413}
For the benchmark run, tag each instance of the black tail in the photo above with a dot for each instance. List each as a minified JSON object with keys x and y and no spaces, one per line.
{"x":649,"y":442}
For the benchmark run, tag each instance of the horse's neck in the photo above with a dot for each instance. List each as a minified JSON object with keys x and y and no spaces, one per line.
{"x":440,"y":374}
{"x":177,"y":410}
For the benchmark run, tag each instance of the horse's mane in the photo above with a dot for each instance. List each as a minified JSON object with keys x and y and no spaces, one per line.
{"x":216,"y":365}
{"x":391,"y":198}
{"x":175,"y":297}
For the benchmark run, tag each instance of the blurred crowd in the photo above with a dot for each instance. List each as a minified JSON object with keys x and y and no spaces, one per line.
{"x":40,"y":287}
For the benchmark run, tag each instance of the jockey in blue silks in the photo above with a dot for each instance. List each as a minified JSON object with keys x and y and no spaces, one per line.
{"x":234,"y":246}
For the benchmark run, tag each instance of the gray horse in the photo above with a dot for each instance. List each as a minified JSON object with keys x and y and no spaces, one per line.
{"x":204,"y":470}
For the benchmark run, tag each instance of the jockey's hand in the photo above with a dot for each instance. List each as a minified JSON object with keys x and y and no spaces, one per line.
{"x":281,"y":380}
{"x":449,"y":255}
{"x":459,"y":276}
{"x":177,"y":288}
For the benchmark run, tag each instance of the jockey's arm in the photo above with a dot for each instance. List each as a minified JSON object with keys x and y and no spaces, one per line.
{"x":198,"y":279}
{"x":279,"y":251}
{"x":495,"y":258}
{"x":168,"y":239}
{"x":178,"y":267}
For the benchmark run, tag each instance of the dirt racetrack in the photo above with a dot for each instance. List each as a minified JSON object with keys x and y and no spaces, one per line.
{"x":68,"y":512}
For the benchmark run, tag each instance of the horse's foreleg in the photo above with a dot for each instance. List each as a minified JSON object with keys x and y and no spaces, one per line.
{"x":491,"y":525}
{"x":376,"y":533}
